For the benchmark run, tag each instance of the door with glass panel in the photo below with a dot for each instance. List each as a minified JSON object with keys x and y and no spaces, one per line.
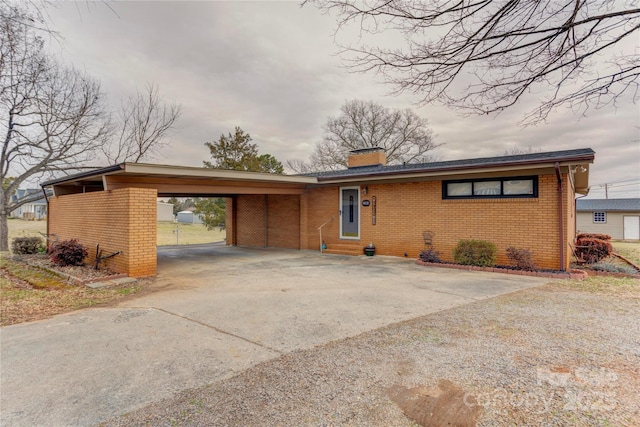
{"x":350,"y":213}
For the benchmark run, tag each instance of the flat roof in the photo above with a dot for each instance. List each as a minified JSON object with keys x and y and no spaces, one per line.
{"x":181,"y":180}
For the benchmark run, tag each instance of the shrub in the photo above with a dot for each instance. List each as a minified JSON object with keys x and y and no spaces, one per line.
{"x":68,"y":252}
{"x":612,"y":268}
{"x":429,"y":255}
{"x":593,"y":236}
{"x":521,"y":258}
{"x":26,"y":245}
{"x":475,"y":252}
{"x":592,"y":250}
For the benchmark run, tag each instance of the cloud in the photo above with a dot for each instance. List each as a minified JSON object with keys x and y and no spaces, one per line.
{"x":271,"y":68}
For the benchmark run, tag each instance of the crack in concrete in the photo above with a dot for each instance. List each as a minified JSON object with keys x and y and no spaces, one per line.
{"x":219,"y":330}
{"x":426,"y":288}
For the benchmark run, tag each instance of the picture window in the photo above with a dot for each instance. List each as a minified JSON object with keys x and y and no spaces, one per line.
{"x":511,"y":187}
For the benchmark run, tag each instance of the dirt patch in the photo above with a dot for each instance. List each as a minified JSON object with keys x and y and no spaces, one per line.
{"x":443,"y":405}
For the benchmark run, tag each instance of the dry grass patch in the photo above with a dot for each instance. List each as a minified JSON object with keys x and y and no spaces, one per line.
{"x":622,"y":286}
{"x":629,"y":250}
{"x":29,"y":293}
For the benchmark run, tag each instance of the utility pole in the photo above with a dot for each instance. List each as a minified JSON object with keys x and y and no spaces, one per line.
{"x":606,"y":191}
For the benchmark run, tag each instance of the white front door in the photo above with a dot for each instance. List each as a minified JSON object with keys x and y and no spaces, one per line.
{"x":631,"y":228}
{"x":350,"y":212}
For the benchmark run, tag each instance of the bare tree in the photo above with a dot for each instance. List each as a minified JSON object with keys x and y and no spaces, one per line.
{"x":485,"y":55}
{"x":404,"y":136}
{"x":144,"y":121}
{"x":299,"y":166}
{"x":51,"y":117}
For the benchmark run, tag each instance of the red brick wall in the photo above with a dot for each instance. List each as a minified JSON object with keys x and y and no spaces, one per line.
{"x":250,"y":225}
{"x":283,"y":221}
{"x":272,"y":220}
{"x":322,"y":205}
{"x":119,"y":220}
{"x":405,"y":210}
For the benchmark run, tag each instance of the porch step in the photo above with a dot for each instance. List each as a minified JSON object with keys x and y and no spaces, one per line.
{"x":344,"y":249}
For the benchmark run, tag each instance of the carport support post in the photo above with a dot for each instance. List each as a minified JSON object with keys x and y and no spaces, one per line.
{"x":266,"y":221}
{"x":234,"y":220}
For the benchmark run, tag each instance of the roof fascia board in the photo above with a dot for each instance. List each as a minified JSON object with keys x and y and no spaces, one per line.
{"x":442,"y":174}
{"x":82,"y":175}
{"x":211,"y":190}
{"x":184,"y":171}
{"x":133,"y":180}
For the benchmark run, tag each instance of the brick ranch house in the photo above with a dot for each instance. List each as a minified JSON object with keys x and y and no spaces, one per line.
{"x":526,"y":201}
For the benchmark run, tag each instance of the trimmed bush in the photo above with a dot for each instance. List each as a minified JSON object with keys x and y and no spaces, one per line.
{"x":521,"y":258}
{"x":27,"y":245}
{"x":429,"y":255}
{"x":68,"y":252}
{"x":475,"y":252}
{"x":598,"y":236}
{"x":592,"y":250}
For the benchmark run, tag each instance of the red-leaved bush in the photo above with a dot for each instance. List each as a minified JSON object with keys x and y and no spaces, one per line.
{"x":521,"y":258}
{"x":592,"y":250}
{"x":598,"y":236}
{"x":68,"y":252}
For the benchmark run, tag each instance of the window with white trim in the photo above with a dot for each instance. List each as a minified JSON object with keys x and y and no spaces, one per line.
{"x":600,"y":217}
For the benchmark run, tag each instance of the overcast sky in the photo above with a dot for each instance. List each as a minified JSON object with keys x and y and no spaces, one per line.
{"x":271,"y":68}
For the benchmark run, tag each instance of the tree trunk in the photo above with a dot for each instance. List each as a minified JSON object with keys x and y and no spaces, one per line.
{"x":4,"y":227}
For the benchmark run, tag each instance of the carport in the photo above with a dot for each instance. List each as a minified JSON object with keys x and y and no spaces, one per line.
{"x":116,"y":208}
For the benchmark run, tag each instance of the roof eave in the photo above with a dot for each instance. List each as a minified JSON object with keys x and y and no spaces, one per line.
{"x":94,"y":173}
{"x":451,"y":170}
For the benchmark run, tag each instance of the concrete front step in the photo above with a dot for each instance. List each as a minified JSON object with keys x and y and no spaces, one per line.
{"x":344,"y":249}
{"x":342,"y":252}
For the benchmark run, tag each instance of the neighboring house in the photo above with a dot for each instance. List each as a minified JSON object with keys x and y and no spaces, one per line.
{"x":165,"y":211}
{"x":35,"y":209}
{"x":188,"y":217}
{"x":619,"y":218}
{"x":526,"y":201}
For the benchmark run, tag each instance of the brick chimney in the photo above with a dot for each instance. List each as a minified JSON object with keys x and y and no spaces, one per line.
{"x":367,"y":157}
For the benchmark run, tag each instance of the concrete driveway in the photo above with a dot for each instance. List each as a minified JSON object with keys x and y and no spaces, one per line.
{"x":223,"y":310}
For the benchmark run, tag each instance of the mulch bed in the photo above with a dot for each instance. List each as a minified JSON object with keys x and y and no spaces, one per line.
{"x":573,"y":274}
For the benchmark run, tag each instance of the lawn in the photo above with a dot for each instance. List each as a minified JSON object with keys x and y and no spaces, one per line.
{"x":29,"y":293}
{"x":629,"y":250}
{"x":187,"y":234}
